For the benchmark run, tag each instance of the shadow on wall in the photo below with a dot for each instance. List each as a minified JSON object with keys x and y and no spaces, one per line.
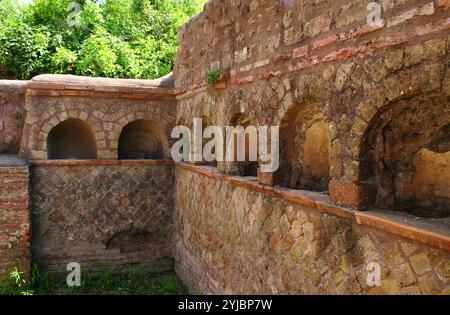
{"x":406,"y":157}
{"x":304,"y":149}
{"x":246,"y":167}
{"x":71,"y":139}
{"x":142,"y":139}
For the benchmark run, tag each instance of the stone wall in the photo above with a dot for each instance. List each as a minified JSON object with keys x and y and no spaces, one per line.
{"x":106,"y":105}
{"x":12,"y":115}
{"x":364,"y":118}
{"x":235,"y":236}
{"x":320,"y":72}
{"x":107,"y":213}
{"x":357,"y":105}
{"x":14,"y":215}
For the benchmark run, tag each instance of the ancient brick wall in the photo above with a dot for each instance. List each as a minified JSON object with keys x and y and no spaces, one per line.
{"x":237,"y":237}
{"x":364,"y":118}
{"x":372,"y":96}
{"x":12,"y":115}
{"x":364,"y":114}
{"x":14,"y":215}
{"x":105,"y":105}
{"x":102,"y":213}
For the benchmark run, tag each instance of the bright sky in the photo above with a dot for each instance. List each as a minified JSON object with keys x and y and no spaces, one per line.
{"x":25,"y":2}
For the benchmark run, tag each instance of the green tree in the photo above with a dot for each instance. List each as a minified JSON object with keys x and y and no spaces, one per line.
{"x":118,"y":38}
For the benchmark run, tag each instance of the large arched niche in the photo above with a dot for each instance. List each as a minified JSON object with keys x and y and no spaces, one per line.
{"x":143,"y":139}
{"x":304,"y":148}
{"x":405,"y":156}
{"x":71,"y":139}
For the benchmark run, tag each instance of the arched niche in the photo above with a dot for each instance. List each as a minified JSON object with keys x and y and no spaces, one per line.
{"x":405,"y":157}
{"x":142,"y":139}
{"x":248,"y":167}
{"x":304,"y":149}
{"x":71,"y":139}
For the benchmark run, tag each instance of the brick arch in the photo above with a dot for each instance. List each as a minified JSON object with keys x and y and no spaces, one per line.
{"x":56,"y":117}
{"x":120,"y":122}
{"x":310,"y":89}
{"x":72,"y":138}
{"x":304,"y":147}
{"x":149,"y":131}
{"x":242,"y":168}
{"x":384,"y":106}
{"x":398,"y":86}
{"x":390,"y":146}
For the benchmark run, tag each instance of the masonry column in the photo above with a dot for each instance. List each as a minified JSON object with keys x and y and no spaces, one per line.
{"x":14,"y":215}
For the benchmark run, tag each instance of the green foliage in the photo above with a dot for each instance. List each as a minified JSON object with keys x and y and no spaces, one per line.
{"x":213,"y":76}
{"x":23,"y":50}
{"x":119,"y":38}
{"x":100,"y":280}
{"x":63,"y":60}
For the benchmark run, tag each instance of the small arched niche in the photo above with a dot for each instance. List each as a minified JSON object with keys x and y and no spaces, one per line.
{"x":304,"y":149}
{"x":142,"y":140}
{"x":207,"y":122}
{"x":247,"y":167}
{"x":72,"y":139}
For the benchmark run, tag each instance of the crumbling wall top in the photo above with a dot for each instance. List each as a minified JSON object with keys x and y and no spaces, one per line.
{"x":71,"y":82}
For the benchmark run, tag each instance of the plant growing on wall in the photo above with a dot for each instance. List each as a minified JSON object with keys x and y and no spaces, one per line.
{"x":213,"y":76}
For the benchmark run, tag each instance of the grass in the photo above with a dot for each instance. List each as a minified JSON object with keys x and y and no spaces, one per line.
{"x":136,"y":281}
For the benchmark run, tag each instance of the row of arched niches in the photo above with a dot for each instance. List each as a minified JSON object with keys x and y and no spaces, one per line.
{"x":409,"y":165}
{"x":75,"y":139}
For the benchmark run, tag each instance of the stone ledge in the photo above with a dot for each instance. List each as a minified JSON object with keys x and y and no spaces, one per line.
{"x":427,"y":231}
{"x":69,"y":85}
{"x":50,"y":163}
{"x":10,"y":160}
{"x":433,"y":232}
{"x":301,"y":197}
{"x":17,"y":87}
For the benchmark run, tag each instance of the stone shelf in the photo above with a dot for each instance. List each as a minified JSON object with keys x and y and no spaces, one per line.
{"x":435,"y":232}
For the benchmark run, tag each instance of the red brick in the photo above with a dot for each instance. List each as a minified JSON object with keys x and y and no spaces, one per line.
{"x":300,"y":52}
{"x":42,"y":92}
{"x":351,"y":194}
{"x":304,"y":63}
{"x":325,"y":41}
{"x":266,"y":178}
{"x":220,"y":86}
{"x":274,"y":240}
{"x":366,"y":29}
{"x":341,"y":54}
{"x":244,"y":80}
